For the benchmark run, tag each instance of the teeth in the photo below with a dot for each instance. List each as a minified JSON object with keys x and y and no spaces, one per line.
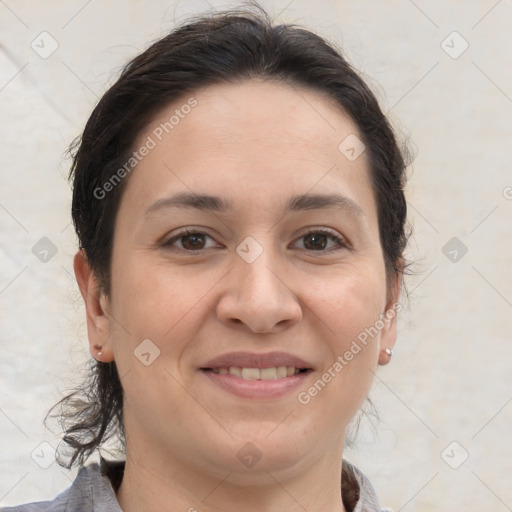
{"x":250,"y":373}
{"x":265,"y":373}
{"x":271,"y":373}
{"x":234,"y":370}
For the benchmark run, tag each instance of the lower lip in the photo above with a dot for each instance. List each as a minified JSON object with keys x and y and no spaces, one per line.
{"x":261,"y":389}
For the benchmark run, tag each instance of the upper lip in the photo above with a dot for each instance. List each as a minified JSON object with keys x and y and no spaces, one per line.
{"x":253,"y":360}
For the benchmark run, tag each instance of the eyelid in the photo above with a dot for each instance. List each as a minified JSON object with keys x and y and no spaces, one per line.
{"x":342,"y":241}
{"x":168,"y":241}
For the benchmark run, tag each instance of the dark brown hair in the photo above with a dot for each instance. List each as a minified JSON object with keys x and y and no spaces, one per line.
{"x":226,"y":47}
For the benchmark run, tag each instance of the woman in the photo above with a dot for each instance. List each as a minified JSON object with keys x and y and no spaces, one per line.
{"x":238,"y":199}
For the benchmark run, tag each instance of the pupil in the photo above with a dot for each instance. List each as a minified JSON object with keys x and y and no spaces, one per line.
{"x":319,"y":241}
{"x":193,"y":241}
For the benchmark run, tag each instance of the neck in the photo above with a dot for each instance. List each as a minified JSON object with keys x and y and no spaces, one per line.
{"x":156,"y":482}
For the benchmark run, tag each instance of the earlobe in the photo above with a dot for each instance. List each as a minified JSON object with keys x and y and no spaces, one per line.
{"x":389,"y":318}
{"x":96,"y":308}
{"x":388,"y":337}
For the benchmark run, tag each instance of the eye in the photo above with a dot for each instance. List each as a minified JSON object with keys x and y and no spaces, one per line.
{"x":189,"y":240}
{"x":320,"y":240}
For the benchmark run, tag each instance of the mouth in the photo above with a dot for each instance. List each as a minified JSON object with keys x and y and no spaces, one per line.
{"x":257,"y":376}
{"x":269,"y":373}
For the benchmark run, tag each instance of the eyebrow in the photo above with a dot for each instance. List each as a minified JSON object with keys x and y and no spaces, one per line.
{"x":320,"y":201}
{"x":206,"y":202}
{"x":192,"y":200}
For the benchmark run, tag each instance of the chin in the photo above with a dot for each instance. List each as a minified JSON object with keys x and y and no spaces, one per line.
{"x":263,"y":449}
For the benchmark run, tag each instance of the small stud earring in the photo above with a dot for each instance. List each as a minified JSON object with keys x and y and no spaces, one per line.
{"x":98,"y":348}
{"x":388,"y":351}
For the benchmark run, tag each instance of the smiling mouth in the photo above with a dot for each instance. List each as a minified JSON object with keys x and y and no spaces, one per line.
{"x":270,"y":373}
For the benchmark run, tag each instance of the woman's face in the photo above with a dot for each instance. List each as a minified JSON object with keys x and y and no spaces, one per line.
{"x":282,"y":267}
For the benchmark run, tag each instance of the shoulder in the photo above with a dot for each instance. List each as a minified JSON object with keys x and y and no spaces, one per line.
{"x":358,"y":492}
{"x":91,"y":491}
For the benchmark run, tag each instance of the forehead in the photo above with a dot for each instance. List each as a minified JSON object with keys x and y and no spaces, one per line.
{"x":303,"y":122}
{"x":256,"y":138}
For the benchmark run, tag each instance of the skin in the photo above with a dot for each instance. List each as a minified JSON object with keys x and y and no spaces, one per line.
{"x":256,"y":144}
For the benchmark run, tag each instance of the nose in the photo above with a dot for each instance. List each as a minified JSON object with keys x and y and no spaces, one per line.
{"x":258,"y":298}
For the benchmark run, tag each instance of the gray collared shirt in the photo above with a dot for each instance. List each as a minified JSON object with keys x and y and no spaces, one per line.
{"x":93,"y":491}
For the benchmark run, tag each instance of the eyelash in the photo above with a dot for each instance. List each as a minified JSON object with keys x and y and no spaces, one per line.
{"x":341,"y":241}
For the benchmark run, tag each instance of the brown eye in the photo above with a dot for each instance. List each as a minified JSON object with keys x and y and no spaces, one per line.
{"x":321,"y":240}
{"x":315,"y":241}
{"x":189,"y":241}
{"x":193,"y":241}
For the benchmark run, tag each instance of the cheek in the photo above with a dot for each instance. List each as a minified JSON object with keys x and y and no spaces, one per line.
{"x":156,"y":303}
{"x":350,"y":311}
{"x":342,"y":383}
{"x":350,"y":303}
{"x":161,"y":302}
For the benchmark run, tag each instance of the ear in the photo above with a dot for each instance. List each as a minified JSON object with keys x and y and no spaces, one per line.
{"x":96,"y":307}
{"x":389,"y":319}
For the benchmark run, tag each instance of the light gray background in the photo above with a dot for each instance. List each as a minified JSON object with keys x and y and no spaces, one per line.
{"x":450,"y":377}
